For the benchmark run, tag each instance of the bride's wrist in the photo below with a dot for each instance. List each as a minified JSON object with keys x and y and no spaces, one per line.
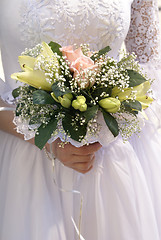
{"x":47,"y":147}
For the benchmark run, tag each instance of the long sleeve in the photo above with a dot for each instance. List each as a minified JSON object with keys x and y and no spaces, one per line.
{"x":4,"y":88}
{"x":143,"y":38}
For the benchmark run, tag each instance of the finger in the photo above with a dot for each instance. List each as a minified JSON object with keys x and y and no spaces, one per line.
{"x":87,"y":149}
{"x":66,"y":156}
{"x":78,"y":158}
{"x":81,"y":166}
{"x":83,"y":171}
{"x":70,"y":149}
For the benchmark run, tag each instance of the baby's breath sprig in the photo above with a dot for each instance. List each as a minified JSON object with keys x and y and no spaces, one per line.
{"x":128,"y":125}
{"x":32,"y":52}
{"x":86,"y":49}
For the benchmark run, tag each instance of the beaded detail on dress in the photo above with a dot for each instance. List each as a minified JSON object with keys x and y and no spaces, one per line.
{"x":97,"y":22}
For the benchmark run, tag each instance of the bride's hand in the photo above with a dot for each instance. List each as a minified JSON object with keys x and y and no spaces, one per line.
{"x":80,"y":159}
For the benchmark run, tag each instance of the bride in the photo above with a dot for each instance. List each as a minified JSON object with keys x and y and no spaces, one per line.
{"x":119,"y":192}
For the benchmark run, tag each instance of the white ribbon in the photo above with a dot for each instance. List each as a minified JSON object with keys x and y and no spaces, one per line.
{"x":77,"y":230}
{"x":69,"y":191}
{"x":7,"y":108}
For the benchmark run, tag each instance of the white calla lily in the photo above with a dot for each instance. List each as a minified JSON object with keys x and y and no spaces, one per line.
{"x":27,"y":63}
{"x":139,"y":92}
{"x":33,"y":76}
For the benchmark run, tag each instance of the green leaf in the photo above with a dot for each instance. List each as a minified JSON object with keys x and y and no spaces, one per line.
{"x":44,"y":133}
{"x":32,"y":88}
{"x":72,"y":130}
{"x":131,"y":105}
{"x":57,"y":90}
{"x":55,"y":48}
{"x":42,"y":97}
{"x":135,"y":78}
{"x":16,"y":92}
{"x":111,"y":123}
{"x":101,"y":52}
{"x":90,"y":113}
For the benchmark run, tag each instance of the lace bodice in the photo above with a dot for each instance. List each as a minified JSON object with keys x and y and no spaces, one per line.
{"x":97,"y":22}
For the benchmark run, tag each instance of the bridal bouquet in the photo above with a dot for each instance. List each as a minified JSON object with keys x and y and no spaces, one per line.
{"x":68,"y":90}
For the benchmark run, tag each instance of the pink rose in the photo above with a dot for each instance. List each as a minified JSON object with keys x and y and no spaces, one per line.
{"x":70,"y":54}
{"x":82,"y":63}
{"x":79,"y":63}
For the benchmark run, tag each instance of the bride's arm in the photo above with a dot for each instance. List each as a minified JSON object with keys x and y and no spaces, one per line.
{"x":6,"y":121}
{"x":143,"y":36}
{"x":80,"y":159}
{"x":144,"y":39}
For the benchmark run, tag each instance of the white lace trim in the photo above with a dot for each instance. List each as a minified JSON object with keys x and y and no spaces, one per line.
{"x":104,"y":136}
{"x":22,"y":127}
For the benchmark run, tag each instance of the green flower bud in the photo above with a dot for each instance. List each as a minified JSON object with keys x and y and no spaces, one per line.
{"x":64,"y":101}
{"x":69,"y":96}
{"x":111,"y":105}
{"x":54,"y":97}
{"x":80,"y":104}
{"x":81,"y":99}
{"x":83,"y":107}
{"x":75,"y":104}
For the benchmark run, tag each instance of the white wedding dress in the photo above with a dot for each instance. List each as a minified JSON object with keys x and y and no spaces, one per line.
{"x":122,"y":193}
